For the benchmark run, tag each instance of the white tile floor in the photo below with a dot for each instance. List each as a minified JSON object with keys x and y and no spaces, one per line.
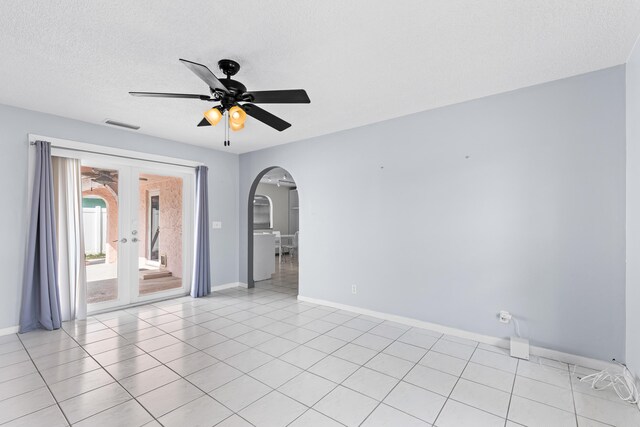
{"x":259,"y":357}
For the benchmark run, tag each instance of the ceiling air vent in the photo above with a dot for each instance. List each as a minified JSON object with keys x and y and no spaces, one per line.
{"x":122,"y":125}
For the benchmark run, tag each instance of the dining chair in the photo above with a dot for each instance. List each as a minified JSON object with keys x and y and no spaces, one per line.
{"x":278,"y":244}
{"x":293,"y":247}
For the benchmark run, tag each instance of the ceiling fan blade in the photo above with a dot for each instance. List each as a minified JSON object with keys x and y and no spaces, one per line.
{"x":265,"y":117}
{"x":205,"y":74}
{"x":171,"y":95}
{"x":204,"y":122}
{"x":291,"y":96}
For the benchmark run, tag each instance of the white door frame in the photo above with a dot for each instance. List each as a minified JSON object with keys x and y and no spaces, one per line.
{"x":188,"y":220}
{"x":123,"y":254}
{"x":149,"y":235}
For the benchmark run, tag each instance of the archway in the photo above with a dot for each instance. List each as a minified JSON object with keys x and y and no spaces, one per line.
{"x":280,"y":189}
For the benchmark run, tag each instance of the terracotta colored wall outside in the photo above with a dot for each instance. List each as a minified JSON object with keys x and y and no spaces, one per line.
{"x":112,"y":219}
{"x":170,"y":190}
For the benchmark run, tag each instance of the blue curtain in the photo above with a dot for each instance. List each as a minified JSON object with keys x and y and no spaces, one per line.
{"x":201,"y":281}
{"x":40,"y":293}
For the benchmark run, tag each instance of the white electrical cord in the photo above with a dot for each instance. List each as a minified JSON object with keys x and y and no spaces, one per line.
{"x":506,"y":317}
{"x":517,"y":326}
{"x":623,"y":384}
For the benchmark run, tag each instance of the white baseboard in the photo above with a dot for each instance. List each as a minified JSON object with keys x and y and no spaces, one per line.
{"x":571,"y":359}
{"x":228,"y":286}
{"x":10,"y":330}
{"x":225,"y":286}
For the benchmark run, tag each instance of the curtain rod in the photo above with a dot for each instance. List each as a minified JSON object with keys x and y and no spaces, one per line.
{"x":117,"y":155}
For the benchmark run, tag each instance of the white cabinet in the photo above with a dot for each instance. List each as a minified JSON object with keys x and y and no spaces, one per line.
{"x":263,"y":258}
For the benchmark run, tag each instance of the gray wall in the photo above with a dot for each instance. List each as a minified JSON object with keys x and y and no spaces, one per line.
{"x":633,"y":212}
{"x":16,"y":123}
{"x":280,"y":199}
{"x":533,"y":221}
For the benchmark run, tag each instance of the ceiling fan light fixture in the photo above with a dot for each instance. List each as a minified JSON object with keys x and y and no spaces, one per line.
{"x":236,"y":127}
{"x":213,"y":116}
{"x":237,"y":115}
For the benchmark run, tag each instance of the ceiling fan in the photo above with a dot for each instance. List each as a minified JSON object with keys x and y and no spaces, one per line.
{"x":103,"y":177}
{"x":235,"y":101}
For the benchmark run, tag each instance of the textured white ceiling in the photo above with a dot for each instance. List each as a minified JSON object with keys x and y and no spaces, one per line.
{"x":361,"y":61}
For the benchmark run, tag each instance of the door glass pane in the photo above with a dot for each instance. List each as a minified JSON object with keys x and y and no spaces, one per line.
{"x":160,"y":231}
{"x":100,"y":221}
{"x":154,"y":228}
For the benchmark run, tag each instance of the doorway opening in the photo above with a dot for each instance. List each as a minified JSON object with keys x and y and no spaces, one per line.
{"x":136,"y":218}
{"x":100,"y":209}
{"x":273,"y":232}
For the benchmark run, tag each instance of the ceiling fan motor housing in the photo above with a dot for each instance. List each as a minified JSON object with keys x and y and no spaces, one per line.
{"x":229,"y":67}
{"x":236,"y":89}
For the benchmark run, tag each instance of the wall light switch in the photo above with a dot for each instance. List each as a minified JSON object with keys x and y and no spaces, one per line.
{"x":216,"y":224}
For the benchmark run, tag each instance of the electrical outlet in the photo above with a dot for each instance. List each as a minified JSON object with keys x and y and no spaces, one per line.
{"x":216,"y":224}
{"x":354,"y":289}
{"x":504,"y":316}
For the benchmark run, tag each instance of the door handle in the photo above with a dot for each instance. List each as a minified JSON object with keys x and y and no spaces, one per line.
{"x":123,"y":240}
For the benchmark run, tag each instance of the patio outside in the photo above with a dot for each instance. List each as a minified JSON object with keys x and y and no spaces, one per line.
{"x":160,"y":233}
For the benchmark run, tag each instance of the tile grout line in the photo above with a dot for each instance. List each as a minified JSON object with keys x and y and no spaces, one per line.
{"x":303,"y":370}
{"x":310,"y":408}
{"x":46,"y":385}
{"x":19,"y":361}
{"x":349,"y":376}
{"x":454,"y":386}
{"x":401,"y":379}
{"x":300,"y":373}
{"x":243,"y":373}
{"x":161,"y":364}
{"x":114,"y":379}
{"x":573,"y":396}
{"x":513,"y":385}
{"x":103,"y":367}
{"x":181,"y":377}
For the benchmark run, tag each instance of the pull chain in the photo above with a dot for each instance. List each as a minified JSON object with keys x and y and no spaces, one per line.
{"x":227,"y":141}
{"x":226,"y":129}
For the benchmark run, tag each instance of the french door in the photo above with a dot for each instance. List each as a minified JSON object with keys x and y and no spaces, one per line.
{"x":138,"y":228}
